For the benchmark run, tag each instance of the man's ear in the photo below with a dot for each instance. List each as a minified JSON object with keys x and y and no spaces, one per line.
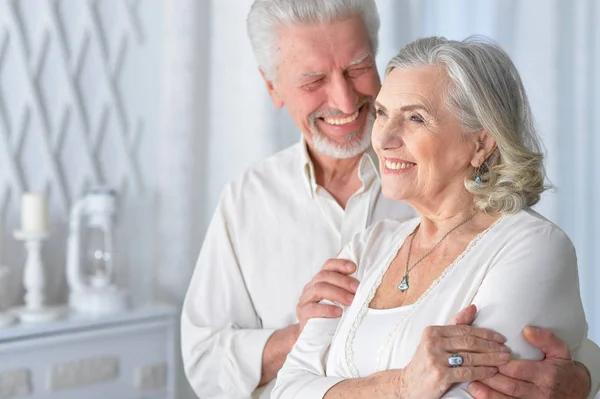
{"x":273,"y":93}
{"x":485,"y":145}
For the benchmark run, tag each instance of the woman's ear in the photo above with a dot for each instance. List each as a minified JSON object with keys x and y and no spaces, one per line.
{"x":484,"y":147}
{"x":272,"y":89}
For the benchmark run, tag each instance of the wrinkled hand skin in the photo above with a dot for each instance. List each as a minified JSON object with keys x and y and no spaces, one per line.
{"x":555,"y":377}
{"x":331,"y":283}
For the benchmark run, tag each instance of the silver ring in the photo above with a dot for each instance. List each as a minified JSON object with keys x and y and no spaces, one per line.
{"x":455,"y":360}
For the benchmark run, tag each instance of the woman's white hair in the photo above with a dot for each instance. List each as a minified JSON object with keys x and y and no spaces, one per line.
{"x":487,"y":93}
{"x":266,"y":17}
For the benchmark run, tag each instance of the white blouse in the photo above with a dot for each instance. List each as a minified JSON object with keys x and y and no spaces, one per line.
{"x":371,"y":333}
{"x":521,"y":271}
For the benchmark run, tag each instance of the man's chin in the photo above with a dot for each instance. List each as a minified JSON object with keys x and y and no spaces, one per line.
{"x":332,"y":149}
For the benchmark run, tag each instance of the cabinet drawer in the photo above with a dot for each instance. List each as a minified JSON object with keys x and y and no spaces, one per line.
{"x":120,"y":361}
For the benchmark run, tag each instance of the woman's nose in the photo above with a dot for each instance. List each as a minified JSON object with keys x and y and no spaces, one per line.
{"x":386,"y":138}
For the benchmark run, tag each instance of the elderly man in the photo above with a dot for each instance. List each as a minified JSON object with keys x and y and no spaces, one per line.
{"x":277,"y":224}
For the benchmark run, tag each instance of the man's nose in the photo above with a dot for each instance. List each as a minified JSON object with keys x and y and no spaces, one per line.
{"x":343,"y":96}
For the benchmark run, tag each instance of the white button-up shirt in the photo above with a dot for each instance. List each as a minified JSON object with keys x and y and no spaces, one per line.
{"x":271,"y":233}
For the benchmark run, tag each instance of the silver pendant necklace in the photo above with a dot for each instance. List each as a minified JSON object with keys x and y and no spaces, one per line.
{"x":403,"y":286}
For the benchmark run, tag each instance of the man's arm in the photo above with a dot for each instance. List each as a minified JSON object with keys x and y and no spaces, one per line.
{"x":222,"y":339}
{"x":276,"y":350}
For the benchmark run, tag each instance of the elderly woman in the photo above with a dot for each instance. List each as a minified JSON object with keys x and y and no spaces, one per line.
{"x":455,"y":139}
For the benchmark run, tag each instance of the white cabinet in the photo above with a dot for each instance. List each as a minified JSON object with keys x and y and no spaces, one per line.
{"x":120,"y":356}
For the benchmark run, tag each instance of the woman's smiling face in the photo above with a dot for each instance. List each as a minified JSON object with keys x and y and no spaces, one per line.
{"x":424,"y":151}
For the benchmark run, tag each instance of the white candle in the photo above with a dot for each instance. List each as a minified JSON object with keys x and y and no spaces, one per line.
{"x":33,"y":213}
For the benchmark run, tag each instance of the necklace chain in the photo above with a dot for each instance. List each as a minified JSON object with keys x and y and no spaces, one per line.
{"x":404,"y":284}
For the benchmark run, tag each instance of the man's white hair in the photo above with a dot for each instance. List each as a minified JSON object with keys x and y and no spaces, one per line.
{"x":266,"y":17}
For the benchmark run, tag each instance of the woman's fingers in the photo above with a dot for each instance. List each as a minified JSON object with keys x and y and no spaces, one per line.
{"x":467,"y":374}
{"x":481,"y":350}
{"x":482,"y":359}
{"x":471,"y":343}
{"x":465,"y":330}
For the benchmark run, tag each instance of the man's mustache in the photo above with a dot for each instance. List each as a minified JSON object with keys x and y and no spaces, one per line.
{"x":334,"y":113}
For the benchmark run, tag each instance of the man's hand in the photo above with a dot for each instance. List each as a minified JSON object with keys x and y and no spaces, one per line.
{"x":331,"y":283}
{"x":552,"y":378}
{"x":465,"y":316}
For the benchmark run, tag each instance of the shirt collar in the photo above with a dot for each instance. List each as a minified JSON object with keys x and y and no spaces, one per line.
{"x":367,"y":169}
{"x":308,"y":170}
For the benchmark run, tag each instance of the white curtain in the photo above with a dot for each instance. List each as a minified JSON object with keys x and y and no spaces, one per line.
{"x":218,"y":119}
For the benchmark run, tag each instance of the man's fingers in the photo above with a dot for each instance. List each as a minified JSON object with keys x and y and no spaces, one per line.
{"x":510,"y":387}
{"x":333,"y":293}
{"x":323,"y":290}
{"x":544,"y":339}
{"x":340,"y":265}
{"x":320,"y":310}
{"x":347,"y":283}
{"x":465,"y":316}
{"x":481,"y":391}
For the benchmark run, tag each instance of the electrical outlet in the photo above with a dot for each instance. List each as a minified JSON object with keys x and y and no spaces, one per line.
{"x":83,"y":372}
{"x":14,"y":383}
{"x":150,"y":377}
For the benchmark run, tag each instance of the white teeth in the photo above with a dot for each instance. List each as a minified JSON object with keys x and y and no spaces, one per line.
{"x":397,"y":165}
{"x":342,"y":121}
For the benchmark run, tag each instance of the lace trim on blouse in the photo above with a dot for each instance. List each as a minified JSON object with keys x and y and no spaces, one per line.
{"x":364,"y":307}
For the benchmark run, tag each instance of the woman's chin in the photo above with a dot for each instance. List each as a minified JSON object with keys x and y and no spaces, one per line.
{"x":393,"y":193}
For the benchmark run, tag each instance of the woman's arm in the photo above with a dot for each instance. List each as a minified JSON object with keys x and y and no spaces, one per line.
{"x":384,"y":384}
{"x":303,"y":373}
{"x":426,"y":376}
{"x":534,"y":281}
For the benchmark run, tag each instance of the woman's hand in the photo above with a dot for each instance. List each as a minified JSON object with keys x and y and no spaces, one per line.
{"x":429,"y":374}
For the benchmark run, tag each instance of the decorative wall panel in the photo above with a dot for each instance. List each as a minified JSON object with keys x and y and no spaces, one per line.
{"x":76,"y":110}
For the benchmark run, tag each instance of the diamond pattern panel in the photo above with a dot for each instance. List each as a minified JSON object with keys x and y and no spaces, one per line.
{"x":65,"y":123}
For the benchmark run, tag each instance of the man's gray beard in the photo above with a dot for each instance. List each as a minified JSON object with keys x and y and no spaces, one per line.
{"x":330,"y":148}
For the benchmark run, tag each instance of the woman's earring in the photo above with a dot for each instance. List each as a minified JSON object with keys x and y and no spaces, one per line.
{"x":479,"y":172}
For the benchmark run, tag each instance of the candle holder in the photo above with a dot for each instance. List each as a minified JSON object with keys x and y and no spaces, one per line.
{"x":34,"y":280}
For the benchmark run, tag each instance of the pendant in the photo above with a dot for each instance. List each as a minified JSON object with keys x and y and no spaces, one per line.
{"x":403,"y":286}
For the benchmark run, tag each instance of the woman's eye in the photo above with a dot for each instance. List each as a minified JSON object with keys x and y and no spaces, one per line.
{"x":379,"y":112}
{"x":416,"y":118}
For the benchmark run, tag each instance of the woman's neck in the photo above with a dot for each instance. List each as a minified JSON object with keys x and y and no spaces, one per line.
{"x":439,"y":217}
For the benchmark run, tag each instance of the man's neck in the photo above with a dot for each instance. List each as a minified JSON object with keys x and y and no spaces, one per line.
{"x":338,"y":176}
